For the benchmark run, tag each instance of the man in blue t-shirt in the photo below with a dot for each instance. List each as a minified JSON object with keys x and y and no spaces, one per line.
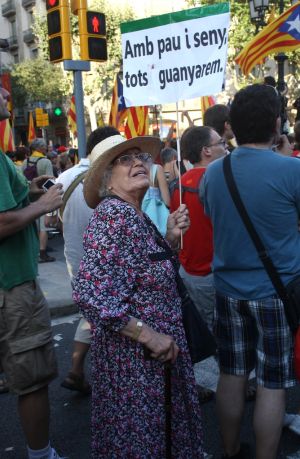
{"x":250,"y":326}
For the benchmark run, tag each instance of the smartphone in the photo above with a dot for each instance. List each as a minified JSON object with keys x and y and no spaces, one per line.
{"x":48,"y":184}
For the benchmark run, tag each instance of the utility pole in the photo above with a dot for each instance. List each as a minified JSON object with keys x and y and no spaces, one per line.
{"x":281,"y":58}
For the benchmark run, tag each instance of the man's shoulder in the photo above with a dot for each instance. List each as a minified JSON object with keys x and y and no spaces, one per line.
{"x":68,"y":176}
{"x":193,"y":175}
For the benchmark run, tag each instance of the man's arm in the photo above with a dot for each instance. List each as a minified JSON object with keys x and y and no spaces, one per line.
{"x":12,"y":221}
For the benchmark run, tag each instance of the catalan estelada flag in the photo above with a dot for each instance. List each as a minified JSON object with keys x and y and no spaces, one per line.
{"x":137,"y":122}
{"x":6,"y":136}
{"x":118,"y":111}
{"x":72,"y":120}
{"x":31,"y":130}
{"x":206,"y":102}
{"x":282,"y":34}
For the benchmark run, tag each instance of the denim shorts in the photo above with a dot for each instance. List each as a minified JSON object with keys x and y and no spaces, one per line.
{"x":254,"y":334}
{"x":27,"y":355}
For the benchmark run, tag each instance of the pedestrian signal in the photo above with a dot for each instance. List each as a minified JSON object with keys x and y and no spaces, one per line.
{"x":59,"y":31}
{"x":95,"y":23}
{"x":92,"y":33}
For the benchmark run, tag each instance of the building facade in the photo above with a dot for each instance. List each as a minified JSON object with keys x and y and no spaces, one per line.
{"x":16,"y":18}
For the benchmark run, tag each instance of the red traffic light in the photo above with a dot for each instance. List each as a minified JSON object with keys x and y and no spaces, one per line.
{"x":51,"y":4}
{"x":95,"y":23}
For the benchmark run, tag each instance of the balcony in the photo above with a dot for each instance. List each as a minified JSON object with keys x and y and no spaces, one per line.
{"x":28,"y":36}
{"x":28,"y":3}
{"x":13,"y":43}
{"x":8,"y":8}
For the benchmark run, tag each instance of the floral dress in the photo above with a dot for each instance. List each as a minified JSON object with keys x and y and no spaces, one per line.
{"x":117,"y":279}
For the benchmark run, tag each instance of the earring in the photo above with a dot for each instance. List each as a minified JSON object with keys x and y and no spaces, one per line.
{"x":110,"y":188}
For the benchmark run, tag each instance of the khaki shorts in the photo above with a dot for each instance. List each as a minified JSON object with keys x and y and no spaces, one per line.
{"x":27,"y":355}
{"x":83,"y":332}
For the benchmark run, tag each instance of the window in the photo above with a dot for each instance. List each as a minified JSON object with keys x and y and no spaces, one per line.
{"x":13,"y":28}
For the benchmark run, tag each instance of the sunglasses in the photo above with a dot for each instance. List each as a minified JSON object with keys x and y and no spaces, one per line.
{"x":128,"y":160}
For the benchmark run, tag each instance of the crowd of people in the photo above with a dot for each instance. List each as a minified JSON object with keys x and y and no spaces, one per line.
{"x":131,"y":231}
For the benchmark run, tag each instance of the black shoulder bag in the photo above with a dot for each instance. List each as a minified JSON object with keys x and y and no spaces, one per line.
{"x":200,"y":340}
{"x":290,"y":294}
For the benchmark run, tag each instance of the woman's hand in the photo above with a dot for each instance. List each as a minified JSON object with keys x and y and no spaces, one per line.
{"x":162,"y":347}
{"x":178,"y":221}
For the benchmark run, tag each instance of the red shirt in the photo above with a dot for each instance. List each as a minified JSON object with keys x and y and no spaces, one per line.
{"x":197,"y":253}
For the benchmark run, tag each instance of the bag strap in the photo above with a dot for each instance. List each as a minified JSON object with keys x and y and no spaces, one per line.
{"x":29,"y":161}
{"x":261,"y":250}
{"x":69,"y":191}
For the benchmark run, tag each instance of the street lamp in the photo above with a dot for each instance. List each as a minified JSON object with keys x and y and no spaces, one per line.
{"x":258,"y":10}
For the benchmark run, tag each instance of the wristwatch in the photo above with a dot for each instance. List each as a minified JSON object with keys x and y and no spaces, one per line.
{"x":138,"y":331}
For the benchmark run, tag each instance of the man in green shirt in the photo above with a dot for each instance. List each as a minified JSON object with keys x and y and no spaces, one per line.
{"x":26,"y":350}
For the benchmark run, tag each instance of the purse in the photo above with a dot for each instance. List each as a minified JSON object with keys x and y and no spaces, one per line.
{"x":200,"y":340}
{"x":289,"y":294}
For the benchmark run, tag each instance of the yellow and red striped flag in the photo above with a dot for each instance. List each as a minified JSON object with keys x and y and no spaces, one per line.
{"x":137,"y":122}
{"x":6,"y":136}
{"x":72,"y":121}
{"x":282,"y":34}
{"x":206,"y":102}
{"x":31,"y":130}
{"x":118,"y":111}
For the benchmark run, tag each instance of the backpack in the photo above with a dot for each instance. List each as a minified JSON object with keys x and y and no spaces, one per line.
{"x":184,"y":188}
{"x":173,"y":184}
{"x":30,"y":170}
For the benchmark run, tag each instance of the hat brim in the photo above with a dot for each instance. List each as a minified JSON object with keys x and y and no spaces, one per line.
{"x":94,"y":177}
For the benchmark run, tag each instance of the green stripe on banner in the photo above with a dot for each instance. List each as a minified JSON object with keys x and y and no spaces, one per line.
{"x":178,"y":16}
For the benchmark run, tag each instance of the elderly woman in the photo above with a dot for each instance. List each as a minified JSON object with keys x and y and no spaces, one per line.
{"x":126,"y":289}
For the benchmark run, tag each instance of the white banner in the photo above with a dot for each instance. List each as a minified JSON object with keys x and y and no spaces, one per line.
{"x":175,"y":56}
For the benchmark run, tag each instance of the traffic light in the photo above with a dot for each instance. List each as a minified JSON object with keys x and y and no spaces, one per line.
{"x":57,"y":111}
{"x":59,"y":31}
{"x":92,"y":33}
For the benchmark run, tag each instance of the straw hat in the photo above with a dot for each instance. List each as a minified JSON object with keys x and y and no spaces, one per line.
{"x":104,"y":153}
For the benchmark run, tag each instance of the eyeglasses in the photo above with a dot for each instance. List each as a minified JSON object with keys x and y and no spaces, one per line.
{"x":219,"y":143}
{"x":128,"y":160}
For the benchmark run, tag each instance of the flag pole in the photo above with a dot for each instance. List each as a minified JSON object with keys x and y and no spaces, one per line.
{"x":179,"y":160}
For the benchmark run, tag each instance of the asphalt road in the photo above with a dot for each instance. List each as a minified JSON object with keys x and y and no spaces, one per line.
{"x":70,"y":414}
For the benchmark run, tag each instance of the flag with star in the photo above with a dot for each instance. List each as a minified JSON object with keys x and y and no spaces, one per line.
{"x":118,"y":111}
{"x":282,"y":34}
{"x":137,"y":123}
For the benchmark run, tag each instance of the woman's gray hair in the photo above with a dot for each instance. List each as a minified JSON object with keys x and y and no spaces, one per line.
{"x":103,"y":191}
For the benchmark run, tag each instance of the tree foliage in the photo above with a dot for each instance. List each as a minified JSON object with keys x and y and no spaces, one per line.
{"x":37,"y":80}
